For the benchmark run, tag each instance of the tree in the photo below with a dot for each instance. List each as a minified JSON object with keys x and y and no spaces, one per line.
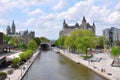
{"x":101,"y":42}
{"x":14,"y":41}
{"x":44,"y":39}
{"x":37,"y":40}
{"x":6,"y":38}
{"x":80,"y":40}
{"x":115,"y":52}
{"x":60,"y":41}
{"x":16,"y":62}
{"x":69,"y":43}
{"x":32,"y":45}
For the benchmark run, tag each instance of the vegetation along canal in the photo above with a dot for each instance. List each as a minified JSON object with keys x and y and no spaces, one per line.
{"x":51,"y":66}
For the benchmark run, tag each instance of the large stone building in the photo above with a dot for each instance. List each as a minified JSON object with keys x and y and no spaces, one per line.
{"x":12,"y":30}
{"x":84,"y":25}
{"x":24,"y":36}
{"x":112,"y":34}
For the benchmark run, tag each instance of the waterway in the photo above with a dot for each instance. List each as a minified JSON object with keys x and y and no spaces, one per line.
{"x":51,"y":66}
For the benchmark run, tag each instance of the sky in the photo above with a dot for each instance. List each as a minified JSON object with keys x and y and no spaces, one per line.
{"x":45,"y":17}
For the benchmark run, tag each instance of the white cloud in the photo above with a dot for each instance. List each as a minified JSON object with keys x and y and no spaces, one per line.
{"x":36,"y":12}
{"x":117,"y":7}
{"x":30,"y":22}
{"x":61,"y":4}
{"x":114,"y":17}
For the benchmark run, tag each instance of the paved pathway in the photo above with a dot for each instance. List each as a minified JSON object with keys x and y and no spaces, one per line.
{"x":20,"y":72}
{"x":105,"y":63}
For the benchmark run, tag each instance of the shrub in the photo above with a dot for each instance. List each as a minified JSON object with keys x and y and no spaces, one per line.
{"x":16,"y":62}
{"x":25,"y":55}
{"x":3,"y":75}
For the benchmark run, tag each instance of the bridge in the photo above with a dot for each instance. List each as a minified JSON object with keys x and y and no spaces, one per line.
{"x":46,"y":46}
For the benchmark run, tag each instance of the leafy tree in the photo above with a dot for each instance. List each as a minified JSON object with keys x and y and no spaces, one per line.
{"x":115,"y":51}
{"x":44,"y":39}
{"x":69,"y":43}
{"x":6,"y":38}
{"x":14,"y":41}
{"x":16,"y":62}
{"x":37,"y":40}
{"x":60,"y":41}
{"x":32,"y":45}
{"x":80,"y":40}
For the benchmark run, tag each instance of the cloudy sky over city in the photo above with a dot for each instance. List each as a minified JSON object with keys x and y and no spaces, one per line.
{"x":45,"y":17}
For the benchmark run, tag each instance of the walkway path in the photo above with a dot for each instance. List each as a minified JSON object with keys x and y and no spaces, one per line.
{"x":105,"y":63}
{"x":19,"y":73}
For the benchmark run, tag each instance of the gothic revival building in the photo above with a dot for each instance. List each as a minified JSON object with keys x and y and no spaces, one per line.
{"x":67,"y":29}
{"x":24,"y":36}
{"x":12,"y":30}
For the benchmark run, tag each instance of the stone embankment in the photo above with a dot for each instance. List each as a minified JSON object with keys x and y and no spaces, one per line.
{"x":96,"y":67}
{"x":18,"y":74}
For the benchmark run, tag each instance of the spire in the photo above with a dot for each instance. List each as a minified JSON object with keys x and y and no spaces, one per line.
{"x":84,"y":20}
{"x":64,"y":22}
{"x":8,"y":30}
{"x":93,"y":24}
{"x":13,"y":27}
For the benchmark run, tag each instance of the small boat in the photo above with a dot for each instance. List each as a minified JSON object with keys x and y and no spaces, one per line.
{"x":57,"y":52}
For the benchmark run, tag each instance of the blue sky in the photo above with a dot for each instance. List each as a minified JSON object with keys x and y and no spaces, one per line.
{"x":45,"y":17}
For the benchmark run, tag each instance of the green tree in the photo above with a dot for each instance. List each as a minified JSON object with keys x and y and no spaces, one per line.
{"x":37,"y":40}
{"x":44,"y":39}
{"x":6,"y":38}
{"x":115,"y":51}
{"x":16,"y":62}
{"x":32,"y":45}
{"x":69,"y":43}
{"x":14,"y":41}
{"x":80,"y":40}
{"x":60,"y":41}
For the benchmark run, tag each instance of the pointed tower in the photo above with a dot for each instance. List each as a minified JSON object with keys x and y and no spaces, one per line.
{"x":8,"y":30}
{"x":64,"y":24}
{"x":83,"y":20}
{"x":94,"y":27}
{"x":13,"y":28}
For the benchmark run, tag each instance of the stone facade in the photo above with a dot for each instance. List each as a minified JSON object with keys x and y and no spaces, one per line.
{"x":112,"y":34}
{"x":67,"y":29}
{"x":24,"y":36}
{"x":12,"y":30}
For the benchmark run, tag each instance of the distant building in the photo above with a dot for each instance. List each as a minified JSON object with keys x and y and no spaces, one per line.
{"x":67,"y":29}
{"x":1,"y":38}
{"x":112,"y":34}
{"x":11,"y":31}
{"x":13,"y":28}
{"x":24,"y":36}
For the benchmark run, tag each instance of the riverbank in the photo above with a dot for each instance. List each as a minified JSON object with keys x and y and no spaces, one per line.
{"x":19,"y":73}
{"x":94,"y":66}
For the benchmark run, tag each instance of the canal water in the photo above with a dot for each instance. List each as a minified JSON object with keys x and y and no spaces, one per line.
{"x":51,"y":66}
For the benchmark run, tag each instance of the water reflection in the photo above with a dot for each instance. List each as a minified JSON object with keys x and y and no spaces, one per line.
{"x":51,"y":66}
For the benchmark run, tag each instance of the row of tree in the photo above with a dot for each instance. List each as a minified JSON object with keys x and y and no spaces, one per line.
{"x":81,"y":40}
{"x":17,"y":43}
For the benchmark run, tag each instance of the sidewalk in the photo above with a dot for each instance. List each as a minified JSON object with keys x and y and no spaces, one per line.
{"x":111,"y":73}
{"x":20,"y":72}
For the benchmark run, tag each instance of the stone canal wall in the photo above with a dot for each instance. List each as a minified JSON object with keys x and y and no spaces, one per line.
{"x":19,"y":73}
{"x":30,"y":63}
{"x":78,"y":60}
